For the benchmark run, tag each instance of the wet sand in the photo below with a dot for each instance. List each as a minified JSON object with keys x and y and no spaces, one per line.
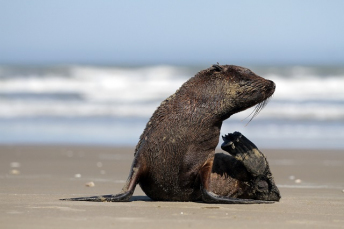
{"x":34,"y":178}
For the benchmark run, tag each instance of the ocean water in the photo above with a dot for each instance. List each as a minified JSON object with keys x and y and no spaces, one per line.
{"x":101,"y":105}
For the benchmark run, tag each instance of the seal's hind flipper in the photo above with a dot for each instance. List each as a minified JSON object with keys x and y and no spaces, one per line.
{"x":245,"y":151}
{"x":122,"y":197}
{"x":262,"y":184}
{"x":210,"y":197}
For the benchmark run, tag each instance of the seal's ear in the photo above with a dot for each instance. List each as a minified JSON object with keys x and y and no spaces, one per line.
{"x":217,"y":67}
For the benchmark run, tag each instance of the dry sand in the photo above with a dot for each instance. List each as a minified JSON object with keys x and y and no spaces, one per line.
{"x":34,"y":178}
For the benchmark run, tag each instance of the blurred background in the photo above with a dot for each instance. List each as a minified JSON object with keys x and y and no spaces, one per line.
{"x":93,"y":72}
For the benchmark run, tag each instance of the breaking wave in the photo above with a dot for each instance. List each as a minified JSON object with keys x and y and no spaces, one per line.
{"x":73,"y":91}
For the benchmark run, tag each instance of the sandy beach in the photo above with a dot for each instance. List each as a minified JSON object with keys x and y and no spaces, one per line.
{"x":34,"y":178}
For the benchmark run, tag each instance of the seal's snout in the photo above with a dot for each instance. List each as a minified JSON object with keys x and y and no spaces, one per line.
{"x":272,"y":86}
{"x":269,"y":88}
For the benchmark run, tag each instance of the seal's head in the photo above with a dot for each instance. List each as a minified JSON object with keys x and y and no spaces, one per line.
{"x":229,"y":89}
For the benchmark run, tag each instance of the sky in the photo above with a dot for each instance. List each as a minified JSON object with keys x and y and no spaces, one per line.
{"x":171,"y":32}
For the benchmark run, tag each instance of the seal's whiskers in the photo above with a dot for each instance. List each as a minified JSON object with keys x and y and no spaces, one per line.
{"x":259,"y":107}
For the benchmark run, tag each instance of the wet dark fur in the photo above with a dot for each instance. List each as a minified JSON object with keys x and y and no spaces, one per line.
{"x":175,"y":155}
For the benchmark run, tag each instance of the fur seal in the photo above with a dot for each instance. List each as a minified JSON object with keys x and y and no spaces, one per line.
{"x":175,"y":157}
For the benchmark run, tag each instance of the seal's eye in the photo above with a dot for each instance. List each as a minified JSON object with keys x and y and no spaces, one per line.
{"x":245,"y":82}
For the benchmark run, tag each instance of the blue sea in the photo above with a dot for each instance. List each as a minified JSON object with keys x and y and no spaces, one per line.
{"x":110,"y":105}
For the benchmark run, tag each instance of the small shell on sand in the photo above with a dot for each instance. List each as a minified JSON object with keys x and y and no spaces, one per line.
{"x":298,"y":181}
{"x":78,"y":175}
{"x":89,"y":184}
{"x":15,"y":172}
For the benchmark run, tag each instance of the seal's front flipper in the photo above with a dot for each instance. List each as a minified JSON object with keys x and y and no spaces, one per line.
{"x":210,"y":197}
{"x":127,"y":190}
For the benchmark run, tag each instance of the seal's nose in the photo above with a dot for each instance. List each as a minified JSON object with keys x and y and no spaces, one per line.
{"x":272,"y":86}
